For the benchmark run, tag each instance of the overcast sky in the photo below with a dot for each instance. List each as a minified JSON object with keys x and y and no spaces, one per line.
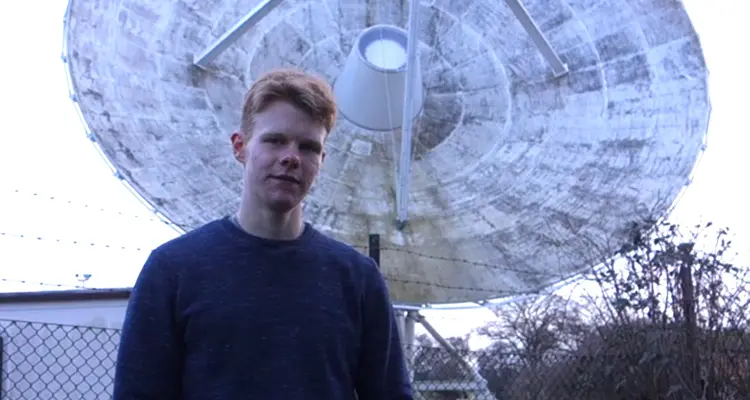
{"x":59,"y":194}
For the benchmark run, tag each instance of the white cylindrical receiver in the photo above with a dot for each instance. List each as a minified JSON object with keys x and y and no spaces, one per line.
{"x":370,"y":89}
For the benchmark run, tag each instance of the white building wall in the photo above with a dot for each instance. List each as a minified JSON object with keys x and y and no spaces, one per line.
{"x":92,"y":313}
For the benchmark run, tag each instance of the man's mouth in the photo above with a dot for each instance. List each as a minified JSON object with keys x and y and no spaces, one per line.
{"x":286,"y":178}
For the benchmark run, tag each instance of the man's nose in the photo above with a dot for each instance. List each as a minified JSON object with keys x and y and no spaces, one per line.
{"x":290,"y":157}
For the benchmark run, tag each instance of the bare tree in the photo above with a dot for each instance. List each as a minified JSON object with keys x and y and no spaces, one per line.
{"x":672,"y":307}
{"x":668,"y":320}
{"x":534,"y":328}
{"x":529,"y":336}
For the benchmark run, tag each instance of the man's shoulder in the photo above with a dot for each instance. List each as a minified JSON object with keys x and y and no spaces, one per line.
{"x":202,"y":237}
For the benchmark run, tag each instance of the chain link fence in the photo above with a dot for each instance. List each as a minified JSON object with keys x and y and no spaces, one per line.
{"x":574,"y":375}
{"x":46,"y":361}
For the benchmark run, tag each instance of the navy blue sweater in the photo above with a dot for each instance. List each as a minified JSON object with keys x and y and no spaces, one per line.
{"x":220,"y":314}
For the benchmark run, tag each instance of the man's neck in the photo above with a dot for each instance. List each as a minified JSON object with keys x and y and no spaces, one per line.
{"x":269,"y":225}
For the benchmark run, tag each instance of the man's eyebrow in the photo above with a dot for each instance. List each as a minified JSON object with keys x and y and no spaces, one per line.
{"x":316,"y":145}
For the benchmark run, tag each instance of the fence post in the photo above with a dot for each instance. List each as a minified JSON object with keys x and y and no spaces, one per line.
{"x":691,"y":325}
{"x":374,"y":248}
{"x":2,"y":372}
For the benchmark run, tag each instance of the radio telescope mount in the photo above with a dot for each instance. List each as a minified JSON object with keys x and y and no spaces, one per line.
{"x":484,"y":141}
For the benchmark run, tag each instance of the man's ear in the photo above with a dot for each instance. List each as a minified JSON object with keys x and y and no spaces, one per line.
{"x":238,"y":147}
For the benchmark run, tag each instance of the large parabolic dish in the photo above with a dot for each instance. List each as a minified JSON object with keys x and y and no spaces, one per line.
{"x":513,"y":168}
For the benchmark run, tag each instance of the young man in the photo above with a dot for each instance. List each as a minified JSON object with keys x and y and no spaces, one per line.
{"x":261,"y":305}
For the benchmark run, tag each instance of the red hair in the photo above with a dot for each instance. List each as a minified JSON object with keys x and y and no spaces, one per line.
{"x":306,"y":91}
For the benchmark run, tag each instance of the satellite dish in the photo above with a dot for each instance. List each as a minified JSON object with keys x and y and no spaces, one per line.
{"x":543,"y":125}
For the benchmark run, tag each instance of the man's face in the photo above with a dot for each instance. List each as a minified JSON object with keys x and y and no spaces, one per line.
{"x":282,"y":155}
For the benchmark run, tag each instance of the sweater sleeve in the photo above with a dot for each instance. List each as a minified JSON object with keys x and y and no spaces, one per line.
{"x":150,"y":354}
{"x":382,"y":372}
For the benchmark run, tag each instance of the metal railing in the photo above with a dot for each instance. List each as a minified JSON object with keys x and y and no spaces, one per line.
{"x":45,"y":361}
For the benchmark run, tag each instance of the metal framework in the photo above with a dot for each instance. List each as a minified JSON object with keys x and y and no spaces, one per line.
{"x":541,"y":42}
{"x":239,"y":29}
{"x":406,"y":320}
{"x":404,"y":165}
{"x":407,"y":323}
{"x":266,"y":6}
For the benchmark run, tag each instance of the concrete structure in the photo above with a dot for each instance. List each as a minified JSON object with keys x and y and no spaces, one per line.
{"x":514,"y":169}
